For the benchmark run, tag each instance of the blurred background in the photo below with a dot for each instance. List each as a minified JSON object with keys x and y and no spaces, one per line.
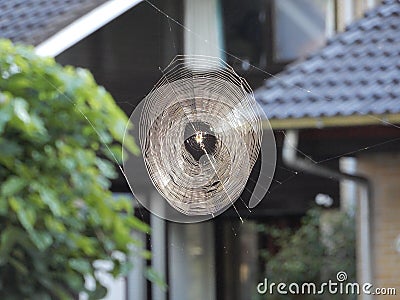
{"x":326,"y":73}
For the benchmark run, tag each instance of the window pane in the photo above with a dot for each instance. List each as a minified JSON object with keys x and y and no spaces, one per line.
{"x":191,"y":261}
{"x":244,"y":23}
{"x":240,"y":260}
{"x":300,"y":27}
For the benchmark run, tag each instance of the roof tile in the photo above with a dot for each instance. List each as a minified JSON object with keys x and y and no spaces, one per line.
{"x":33,"y":21}
{"x":356,"y":73}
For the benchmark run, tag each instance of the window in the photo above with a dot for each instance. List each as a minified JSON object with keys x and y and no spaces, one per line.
{"x":271,"y":33}
{"x":191,"y":261}
{"x":239,"y":257}
{"x":349,"y":10}
{"x":300,"y":27}
{"x":245,"y":32}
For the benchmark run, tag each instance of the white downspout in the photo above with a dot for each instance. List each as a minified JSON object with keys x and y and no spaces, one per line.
{"x":289,"y":154}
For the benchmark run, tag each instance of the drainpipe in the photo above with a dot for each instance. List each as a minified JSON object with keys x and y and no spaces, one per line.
{"x":290,"y":158}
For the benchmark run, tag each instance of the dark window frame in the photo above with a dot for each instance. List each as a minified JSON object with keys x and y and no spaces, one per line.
{"x":268,"y":31}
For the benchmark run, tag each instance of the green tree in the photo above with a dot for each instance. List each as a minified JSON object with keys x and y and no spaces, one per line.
{"x":322,"y":246}
{"x":60,"y":135}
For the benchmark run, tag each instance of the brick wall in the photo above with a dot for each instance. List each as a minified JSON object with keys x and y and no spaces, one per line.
{"x":384,"y":172}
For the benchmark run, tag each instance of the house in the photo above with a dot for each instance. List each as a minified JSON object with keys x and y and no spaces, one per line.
{"x":344,"y":101}
{"x":125,"y":42}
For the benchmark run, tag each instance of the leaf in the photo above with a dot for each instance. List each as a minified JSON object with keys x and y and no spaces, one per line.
{"x":131,"y":146}
{"x":99,"y":293}
{"x":139,"y":225}
{"x":3,"y":206}
{"x":113,"y":153}
{"x":51,"y":200}
{"x":39,"y":126}
{"x":106,"y":168}
{"x":42,"y":240}
{"x":18,"y":82}
{"x":80,"y":265}
{"x":5,"y":112}
{"x":12,"y":186}
{"x":76,"y":282}
{"x":20,"y":109}
{"x":86,"y":244}
{"x":155,"y":277}
{"x":26,"y":215}
{"x":19,"y":266}
{"x":117,"y":128}
{"x":54,"y":225}
{"x":125,"y":268}
{"x":9,"y":148}
{"x":55,"y":288}
{"x":146,"y":254}
{"x":8,"y":239}
{"x":123,"y":204}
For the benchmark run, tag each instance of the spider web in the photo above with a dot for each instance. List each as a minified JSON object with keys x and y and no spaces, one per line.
{"x":267,"y":75}
{"x":294,"y":173}
{"x":198,"y":92}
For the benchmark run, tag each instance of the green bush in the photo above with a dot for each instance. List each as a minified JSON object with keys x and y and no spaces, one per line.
{"x":60,"y":135}
{"x":315,"y":252}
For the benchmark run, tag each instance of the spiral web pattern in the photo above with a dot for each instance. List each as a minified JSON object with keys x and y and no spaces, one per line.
{"x":200,"y":135}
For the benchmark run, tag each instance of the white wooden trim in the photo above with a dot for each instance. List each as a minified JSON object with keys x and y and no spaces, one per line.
{"x":204,"y":37}
{"x":84,"y":26}
{"x":349,"y":12}
{"x":135,"y":281}
{"x":330,"y":19}
{"x":158,"y":248}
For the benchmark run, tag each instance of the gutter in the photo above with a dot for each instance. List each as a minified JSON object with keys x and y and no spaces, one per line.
{"x":290,"y":158}
{"x":334,"y":121}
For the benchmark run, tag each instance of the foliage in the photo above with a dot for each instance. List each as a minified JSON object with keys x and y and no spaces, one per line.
{"x":60,"y":134}
{"x":321,"y":247}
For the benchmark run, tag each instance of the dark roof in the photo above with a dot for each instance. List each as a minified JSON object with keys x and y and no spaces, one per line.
{"x":34,"y":21}
{"x":356,"y":74}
